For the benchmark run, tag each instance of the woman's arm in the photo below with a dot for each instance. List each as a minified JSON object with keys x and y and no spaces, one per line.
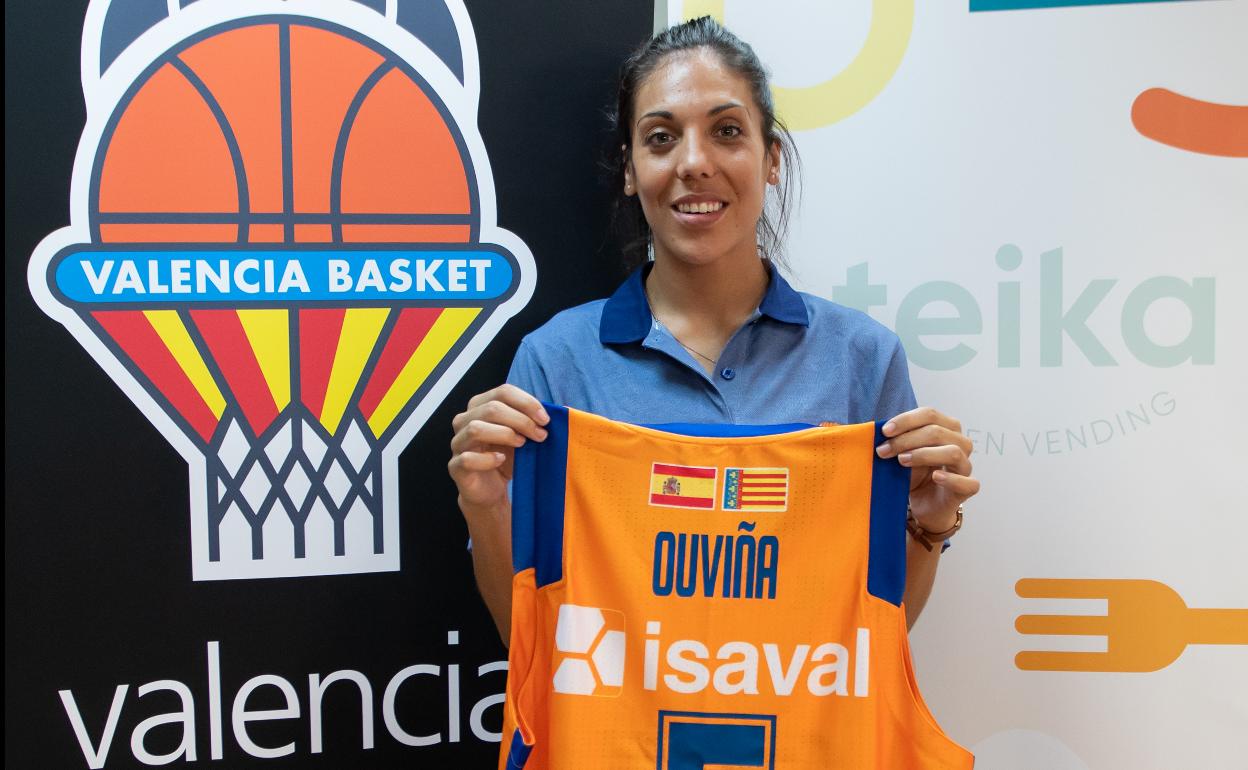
{"x":932,"y":445}
{"x":487,"y":434}
{"x":921,"y":567}
{"x":490,"y":530}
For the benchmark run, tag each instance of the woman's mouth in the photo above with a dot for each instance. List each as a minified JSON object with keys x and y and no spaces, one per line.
{"x":702,"y":207}
{"x":696,"y":213}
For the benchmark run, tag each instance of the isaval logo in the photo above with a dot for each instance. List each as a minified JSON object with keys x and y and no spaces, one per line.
{"x":589,"y":659}
{"x":589,"y":651}
{"x":283,"y":248}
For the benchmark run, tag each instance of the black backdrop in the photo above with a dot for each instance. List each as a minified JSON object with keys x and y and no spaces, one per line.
{"x":98,"y":591}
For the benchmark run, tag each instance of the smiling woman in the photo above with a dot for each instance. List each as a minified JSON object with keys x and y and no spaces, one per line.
{"x":707,"y":330}
{"x":699,"y":161}
{"x":704,"y":63}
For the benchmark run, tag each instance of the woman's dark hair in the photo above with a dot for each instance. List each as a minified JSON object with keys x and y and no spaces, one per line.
{"x":628,"y":219}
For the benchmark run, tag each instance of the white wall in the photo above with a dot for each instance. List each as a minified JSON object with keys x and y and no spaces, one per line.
{"x":1009,"y":135}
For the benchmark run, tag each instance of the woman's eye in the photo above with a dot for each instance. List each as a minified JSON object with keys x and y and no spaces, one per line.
{"x":729,"y":131}
{"x":658,"y":137}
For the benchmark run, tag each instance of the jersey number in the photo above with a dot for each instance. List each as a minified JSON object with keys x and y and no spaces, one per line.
{"x":693,"y":741}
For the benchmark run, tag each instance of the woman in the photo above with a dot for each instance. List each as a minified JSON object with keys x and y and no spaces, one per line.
{"x":708,"y":331}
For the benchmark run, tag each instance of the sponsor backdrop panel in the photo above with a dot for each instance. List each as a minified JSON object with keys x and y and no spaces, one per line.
{"x":280,"y":237}
{"x":1046,"y":200}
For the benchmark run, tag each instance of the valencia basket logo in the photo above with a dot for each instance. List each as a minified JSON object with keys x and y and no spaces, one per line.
{"x":283,"y":249}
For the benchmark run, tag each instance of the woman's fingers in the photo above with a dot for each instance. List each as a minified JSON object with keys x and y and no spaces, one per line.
{"x":486,"y":434}
{"x":511,"y":396}
{"x":931,"y":443}
{"x":957,"y":484}
{"x":951,"y":457}
{"x":930,"y":435}
{"x":917,"y":418}
{"x":479,"y":436}
{"x":499,"y":413}
{"x":475,"y":462}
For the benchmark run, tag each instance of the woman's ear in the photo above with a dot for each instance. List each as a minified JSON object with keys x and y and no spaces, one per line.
{"x":629,"y":187}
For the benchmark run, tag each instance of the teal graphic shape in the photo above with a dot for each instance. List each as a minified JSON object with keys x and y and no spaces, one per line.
{"x":1025,"y":5}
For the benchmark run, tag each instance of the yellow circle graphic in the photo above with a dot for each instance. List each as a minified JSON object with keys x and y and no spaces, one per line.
{"x":852,"y":88}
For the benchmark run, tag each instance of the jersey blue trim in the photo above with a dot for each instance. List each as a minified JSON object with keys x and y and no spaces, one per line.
{"x":890,"y":493}
{"x":518,"y":753}
{"x":726,"y":430}
{"x":541,"y":472}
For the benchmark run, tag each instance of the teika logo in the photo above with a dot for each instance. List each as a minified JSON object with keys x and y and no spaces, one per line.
{"x":1061,"y":312}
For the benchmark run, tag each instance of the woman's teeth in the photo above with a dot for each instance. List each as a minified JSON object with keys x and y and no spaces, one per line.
{"x":699,"y":208}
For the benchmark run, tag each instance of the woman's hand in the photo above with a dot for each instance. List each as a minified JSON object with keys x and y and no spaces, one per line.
{"x":931,"y":444}
{"x":486,"y":436}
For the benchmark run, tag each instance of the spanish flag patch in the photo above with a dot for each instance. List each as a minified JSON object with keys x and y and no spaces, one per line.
{"x":682,"y":486}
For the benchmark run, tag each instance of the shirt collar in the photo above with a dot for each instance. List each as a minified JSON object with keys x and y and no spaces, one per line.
{"x":626,"y":314}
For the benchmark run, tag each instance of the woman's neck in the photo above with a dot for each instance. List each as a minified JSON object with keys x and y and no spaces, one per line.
{"x":702,"y":306}
{"x":713,"y":298}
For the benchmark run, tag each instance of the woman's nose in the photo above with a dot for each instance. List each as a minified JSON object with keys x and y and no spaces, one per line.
{"x":695,"y":158}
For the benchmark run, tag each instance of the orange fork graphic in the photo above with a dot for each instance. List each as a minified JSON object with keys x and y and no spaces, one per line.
{"x":1147,"y":625}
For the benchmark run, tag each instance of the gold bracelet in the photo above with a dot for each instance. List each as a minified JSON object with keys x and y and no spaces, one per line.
{"x":925,"y":538}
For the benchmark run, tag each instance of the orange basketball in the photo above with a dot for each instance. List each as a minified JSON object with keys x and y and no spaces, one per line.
{"x":281,"y":131}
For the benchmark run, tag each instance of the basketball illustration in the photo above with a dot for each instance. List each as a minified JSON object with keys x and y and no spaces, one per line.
{"x":281,"y":132}
{"x":287,"y":248}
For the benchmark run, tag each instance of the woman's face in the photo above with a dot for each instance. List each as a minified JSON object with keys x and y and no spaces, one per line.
{"x":699,"y":164}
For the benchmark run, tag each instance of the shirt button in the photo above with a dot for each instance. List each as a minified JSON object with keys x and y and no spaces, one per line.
{"x":728,"y":374}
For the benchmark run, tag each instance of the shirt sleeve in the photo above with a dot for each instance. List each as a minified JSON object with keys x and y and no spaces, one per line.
{"x":527,"y":373}
{"x":896,"y":393}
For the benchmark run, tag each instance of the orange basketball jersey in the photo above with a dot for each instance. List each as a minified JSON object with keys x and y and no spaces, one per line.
{"x":695,"y":597}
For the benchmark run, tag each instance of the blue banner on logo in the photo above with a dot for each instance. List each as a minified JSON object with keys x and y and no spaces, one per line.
{"x":92,"y":276}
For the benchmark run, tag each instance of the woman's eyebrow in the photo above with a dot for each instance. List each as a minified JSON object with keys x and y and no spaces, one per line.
{"x":665,"y":115}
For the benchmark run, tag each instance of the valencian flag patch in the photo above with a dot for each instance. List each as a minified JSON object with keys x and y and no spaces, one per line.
{"x":683,"y":486}
{"x":756,"y":489}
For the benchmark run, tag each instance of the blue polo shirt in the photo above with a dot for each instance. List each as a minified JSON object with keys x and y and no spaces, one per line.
{"x":798,"y":358}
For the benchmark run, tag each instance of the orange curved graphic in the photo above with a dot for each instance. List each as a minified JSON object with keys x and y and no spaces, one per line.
{"x":1190,"y":124}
